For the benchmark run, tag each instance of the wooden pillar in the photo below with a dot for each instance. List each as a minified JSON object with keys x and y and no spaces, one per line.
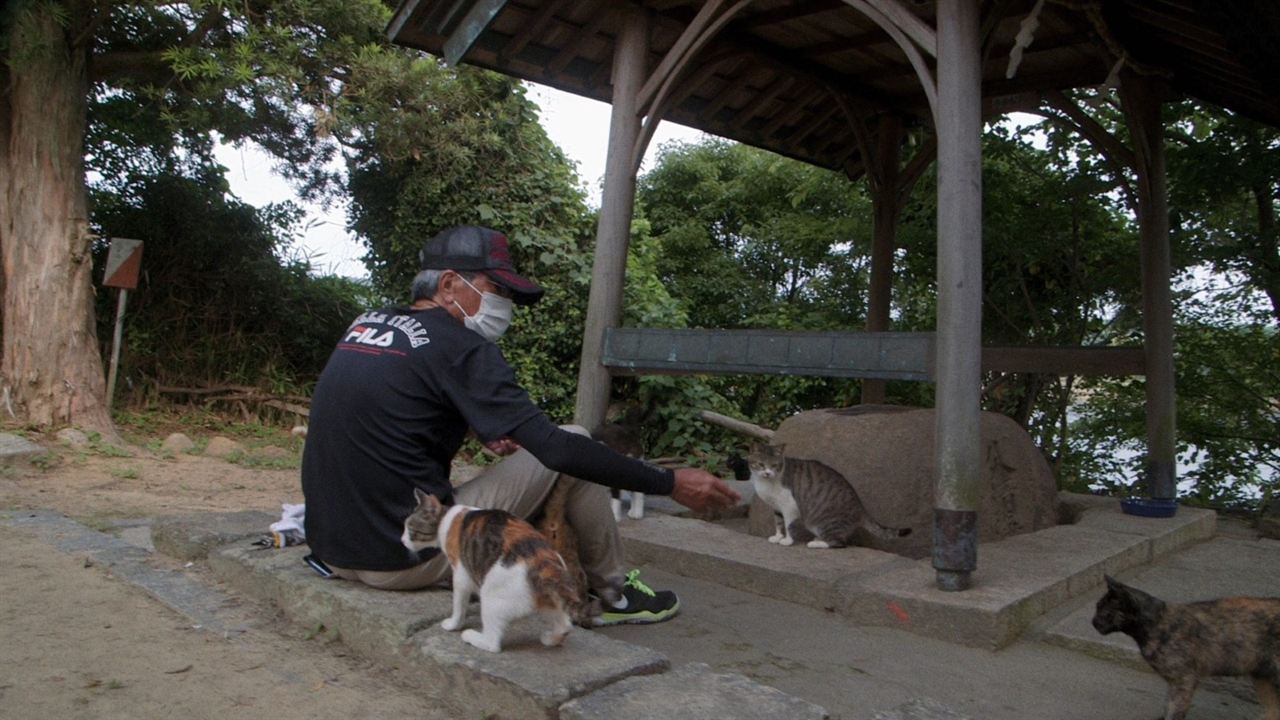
{"x":884,"y":177}
{"x":613,"y":233}
{"x":1141,"y":98}
{"x":959,"y":334}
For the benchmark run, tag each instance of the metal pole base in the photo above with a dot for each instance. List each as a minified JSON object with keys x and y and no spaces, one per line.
{"x":954,"y":580}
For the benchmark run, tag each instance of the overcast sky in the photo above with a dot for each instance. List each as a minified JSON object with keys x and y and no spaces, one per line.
{"x":578,"y":125}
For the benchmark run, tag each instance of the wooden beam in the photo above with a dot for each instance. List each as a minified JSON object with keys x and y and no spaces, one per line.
{"x":786,"y":13}
{"x":613,"y":229}
{"x":850,"y":43}
{"x":530,"y":28}
{"x":722,"y":98}
{"x":793,"y":114}
{"x":761,"y":103}
{"x":586,"y":34}
{"x":812,"y":126}
{"x":1141,"y":98}
{"x":482,"y":13}
{"x":917,"y":30}
{"x":883,"y":169}
{"x":674,"y":58}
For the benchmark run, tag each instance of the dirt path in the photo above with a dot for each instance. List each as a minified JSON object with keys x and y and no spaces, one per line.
{"x":76,"y":642}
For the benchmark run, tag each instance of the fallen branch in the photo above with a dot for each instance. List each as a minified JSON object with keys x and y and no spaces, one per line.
{"x":736,"y":425}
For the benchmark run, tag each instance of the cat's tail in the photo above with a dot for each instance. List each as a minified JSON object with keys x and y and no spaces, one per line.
{"x":553,"y":586}
{"x":888,"y":532}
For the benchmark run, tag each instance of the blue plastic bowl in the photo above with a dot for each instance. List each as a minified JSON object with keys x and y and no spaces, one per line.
{"x":1149,"y":507}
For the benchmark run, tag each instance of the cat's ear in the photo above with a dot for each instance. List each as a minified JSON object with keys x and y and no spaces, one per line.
{"x":420,"y":496}
{"x":1113,"y":584}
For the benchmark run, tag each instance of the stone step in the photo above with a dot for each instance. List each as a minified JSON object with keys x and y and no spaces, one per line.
{"x":1208,"y":570}
{"x":192,"y":537}
{"x":401,"y":629}
{"x":1018,"y":579}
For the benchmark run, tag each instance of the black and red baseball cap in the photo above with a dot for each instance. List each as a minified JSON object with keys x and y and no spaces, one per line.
{"x":475,"y":248}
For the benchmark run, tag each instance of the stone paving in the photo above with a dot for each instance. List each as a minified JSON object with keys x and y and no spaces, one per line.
{"x":745,"y":600}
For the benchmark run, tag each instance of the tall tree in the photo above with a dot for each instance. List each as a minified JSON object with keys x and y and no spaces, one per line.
{"x":262,"y":70}
{"x":435,"y":146}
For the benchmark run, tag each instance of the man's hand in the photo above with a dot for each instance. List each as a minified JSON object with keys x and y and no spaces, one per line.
{"x":502,"y":447}
{"x":699,"y":490}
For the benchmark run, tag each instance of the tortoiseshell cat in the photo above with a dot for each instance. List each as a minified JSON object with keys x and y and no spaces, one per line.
{"x":1184,"y":643}
{"x":513,"y":568}
{"x":812,"y":502}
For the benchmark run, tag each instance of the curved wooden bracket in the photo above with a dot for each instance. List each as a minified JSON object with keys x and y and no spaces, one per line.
{"x":653,"y":94}
{"x":911,"y":34}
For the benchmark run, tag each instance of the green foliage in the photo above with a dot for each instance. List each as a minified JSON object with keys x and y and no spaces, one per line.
{"x":273,"y":74}
{"x":218,"y":302}
{"x":745,"y":239}
{"x":463,"y":146}
{"x":743,"y":232}
{"x":1228,"y":425}
{"x":1223,"y":175}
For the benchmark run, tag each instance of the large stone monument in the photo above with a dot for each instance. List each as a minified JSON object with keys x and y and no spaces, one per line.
{"x":886,"y":454}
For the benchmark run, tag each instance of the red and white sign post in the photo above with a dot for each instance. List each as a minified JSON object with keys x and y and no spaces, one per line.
{"x":124,"y":260}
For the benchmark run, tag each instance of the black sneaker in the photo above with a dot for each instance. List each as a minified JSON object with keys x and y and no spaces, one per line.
{"x":644,"y":605}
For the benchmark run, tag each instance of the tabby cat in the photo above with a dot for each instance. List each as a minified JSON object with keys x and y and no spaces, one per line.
{"x":811,"y":501}
{"x":503,"y":557}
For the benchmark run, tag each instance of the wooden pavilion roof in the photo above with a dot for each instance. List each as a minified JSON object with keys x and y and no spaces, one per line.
{"x":780,"y":72}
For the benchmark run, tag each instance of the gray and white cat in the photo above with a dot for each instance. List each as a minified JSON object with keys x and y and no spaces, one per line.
{"x":812,"y":502}
{"x":623,"y":435}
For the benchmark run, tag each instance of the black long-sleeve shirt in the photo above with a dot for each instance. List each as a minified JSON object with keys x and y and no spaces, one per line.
{"x":391,"y":409}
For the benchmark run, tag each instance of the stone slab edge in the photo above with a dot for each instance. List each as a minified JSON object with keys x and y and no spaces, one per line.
{"x":949,"y":617}
{"x":868,"y":598}
{"x":373,"y":623}
{"x":399,"y":630}
{"x":527,"y":680}
{"x":15,"y":449}
{"x":203,"y":605}
{"x":192,"y":537}
{"x":690,"y":692}
{"x":697,"y":549}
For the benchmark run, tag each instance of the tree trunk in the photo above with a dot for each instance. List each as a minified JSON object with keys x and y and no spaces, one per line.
{"x":51,"y":371}
{"x":1267,"y":264}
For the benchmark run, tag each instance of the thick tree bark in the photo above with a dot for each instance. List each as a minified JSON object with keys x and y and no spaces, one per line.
{"x":51,"y":372}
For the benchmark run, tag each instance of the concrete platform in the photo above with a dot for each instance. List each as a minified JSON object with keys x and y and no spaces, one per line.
{"x":1018,"y":580}
{"x":790,"y":632}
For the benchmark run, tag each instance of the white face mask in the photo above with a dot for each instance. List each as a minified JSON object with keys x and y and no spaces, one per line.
{"x":493,"y":317}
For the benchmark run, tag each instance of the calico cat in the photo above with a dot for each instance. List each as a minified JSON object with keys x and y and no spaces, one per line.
{"x":1184,"y":643}
{"x":811,"y":501}
{"x":491,"y":551}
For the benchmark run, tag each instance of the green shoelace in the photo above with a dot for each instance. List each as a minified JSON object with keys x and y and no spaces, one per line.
{"x":633,"y":580}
